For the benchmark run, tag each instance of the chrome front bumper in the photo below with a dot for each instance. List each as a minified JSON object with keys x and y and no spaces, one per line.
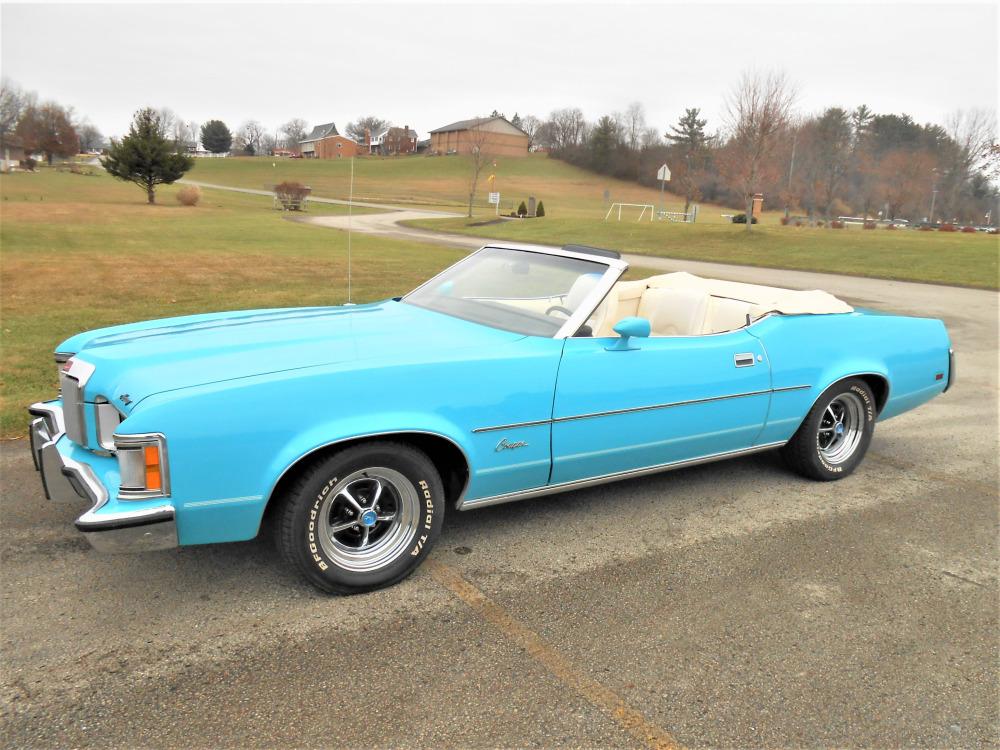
{"x":64,"y":479}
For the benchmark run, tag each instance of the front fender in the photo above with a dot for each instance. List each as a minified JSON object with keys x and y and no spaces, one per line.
{"x":231,"y":441}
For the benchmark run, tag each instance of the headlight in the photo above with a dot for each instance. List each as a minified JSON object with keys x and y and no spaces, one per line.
{"x":142,"y":462}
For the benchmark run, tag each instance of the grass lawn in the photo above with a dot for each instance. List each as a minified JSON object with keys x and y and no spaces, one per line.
{"x":442,"y":182}
{"x":946,"y":258}
{"x":81,"y":252}
{"x":78,"y":253}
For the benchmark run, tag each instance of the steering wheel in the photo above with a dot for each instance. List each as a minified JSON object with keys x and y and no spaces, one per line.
{"x":559,"y":308}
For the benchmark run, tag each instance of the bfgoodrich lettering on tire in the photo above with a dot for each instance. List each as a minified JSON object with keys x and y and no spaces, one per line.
{"x":835,"y":435}
{"x":362,"y":518}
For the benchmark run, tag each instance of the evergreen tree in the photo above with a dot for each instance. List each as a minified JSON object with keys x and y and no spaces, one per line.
{"x":689,"y":130}
{"x":145,"y":156}
{"x":603,"y":142}
{"x":215,"y":137}
{"x":688,"y":136}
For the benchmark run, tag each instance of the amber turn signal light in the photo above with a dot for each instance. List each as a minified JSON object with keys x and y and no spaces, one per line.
{"x":151,"y":454}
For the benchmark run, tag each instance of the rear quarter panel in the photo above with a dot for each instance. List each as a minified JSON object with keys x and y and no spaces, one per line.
{"x":819,"y":350}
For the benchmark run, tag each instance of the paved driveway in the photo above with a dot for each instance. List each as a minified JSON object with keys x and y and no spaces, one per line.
{"x":730,"y":605}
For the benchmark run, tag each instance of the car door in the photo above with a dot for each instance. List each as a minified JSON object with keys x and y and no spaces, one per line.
{"x":661,"y":401}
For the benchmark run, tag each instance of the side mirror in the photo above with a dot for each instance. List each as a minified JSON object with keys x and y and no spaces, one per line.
{"x":627,"y":328}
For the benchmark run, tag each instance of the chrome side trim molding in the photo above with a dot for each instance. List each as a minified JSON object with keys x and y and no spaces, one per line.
{"x":652,"y":407}
{"x":580,"y":484}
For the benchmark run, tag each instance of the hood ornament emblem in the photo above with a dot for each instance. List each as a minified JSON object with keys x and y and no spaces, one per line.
{"x":125,"y":399}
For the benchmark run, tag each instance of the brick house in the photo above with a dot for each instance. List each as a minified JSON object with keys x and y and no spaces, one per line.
{"x":498,"y":137}
{"x":393,"y":140}
{"x":324,"y":142}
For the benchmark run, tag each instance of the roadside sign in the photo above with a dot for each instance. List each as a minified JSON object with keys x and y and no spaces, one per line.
{"x":664,"y":173}
{"x":495,"y":198}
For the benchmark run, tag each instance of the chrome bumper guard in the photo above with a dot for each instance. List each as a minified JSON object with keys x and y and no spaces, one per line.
{"x":951,"y":371}
{"x":64,"y":479}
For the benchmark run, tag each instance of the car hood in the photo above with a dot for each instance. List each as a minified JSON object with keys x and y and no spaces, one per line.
{"x":138,"y":360}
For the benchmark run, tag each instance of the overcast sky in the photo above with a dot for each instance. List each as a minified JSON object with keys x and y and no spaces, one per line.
{"x":428,"y":65}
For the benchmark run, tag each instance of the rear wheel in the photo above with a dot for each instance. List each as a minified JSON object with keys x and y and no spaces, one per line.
{"x":362,"y":518}
{"x":835,"y":435}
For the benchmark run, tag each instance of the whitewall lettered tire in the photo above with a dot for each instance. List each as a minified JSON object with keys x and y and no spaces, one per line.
{"x":362,"y":518}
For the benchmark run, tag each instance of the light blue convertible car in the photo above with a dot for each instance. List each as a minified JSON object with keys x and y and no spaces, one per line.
{"x":518,"y":372}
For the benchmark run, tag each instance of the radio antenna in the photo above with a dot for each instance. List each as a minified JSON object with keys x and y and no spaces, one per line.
{"x":350,"y":211}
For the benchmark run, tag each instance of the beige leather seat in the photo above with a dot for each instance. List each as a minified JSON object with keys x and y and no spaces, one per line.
{"x":622,"y":302}
{"x":674,"y":312}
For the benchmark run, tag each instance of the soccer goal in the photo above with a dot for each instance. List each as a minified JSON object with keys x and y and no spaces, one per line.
{"x":644,"y":206}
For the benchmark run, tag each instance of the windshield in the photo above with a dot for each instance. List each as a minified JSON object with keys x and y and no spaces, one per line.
{"x":514,"y":290}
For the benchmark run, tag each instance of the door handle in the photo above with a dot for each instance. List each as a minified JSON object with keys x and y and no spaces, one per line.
{"x":744,"y":359}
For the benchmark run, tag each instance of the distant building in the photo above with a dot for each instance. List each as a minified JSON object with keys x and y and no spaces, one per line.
{"x":497,"y":136}
{"x":324,"y":142}
{"x":13,"y":153}
{"x":392,"y":141}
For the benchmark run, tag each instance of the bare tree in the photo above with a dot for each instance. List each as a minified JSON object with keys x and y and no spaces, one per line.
{"x":250,"y":135}
{"x":757,"y":111}
{"x":268,"y":142}
{"x":650,"y":138}
{"x":633,"y":124}
{"x":530,"y":125}
{"x":294,"y":131}
{"x":974,"y":130}
{"x":90,"y":137}
{"x":568,"y":127}
{"x":167,"y":121}
{"x":13,"y":102}
{"x":371,"y":124}
{"x":479,"y":158}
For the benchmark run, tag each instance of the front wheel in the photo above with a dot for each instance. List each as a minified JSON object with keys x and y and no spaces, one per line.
{"x":835,"y":435}
{"x":362,"y":518}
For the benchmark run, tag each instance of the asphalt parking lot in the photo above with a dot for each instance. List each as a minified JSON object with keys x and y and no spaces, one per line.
{"x":727,"y":605}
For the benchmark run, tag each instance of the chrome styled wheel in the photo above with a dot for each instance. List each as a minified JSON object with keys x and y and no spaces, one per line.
{"x":841,"y":428}
{"x":368,"y":519}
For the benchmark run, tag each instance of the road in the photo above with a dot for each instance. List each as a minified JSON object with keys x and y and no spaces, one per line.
{"x":732,"y":605}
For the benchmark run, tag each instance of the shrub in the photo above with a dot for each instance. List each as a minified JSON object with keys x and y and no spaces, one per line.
{"x":292,"y":195}
{"x":189,"y":195}
{"x":540,"y":211}
{"x":926,"y":228}
{"x":821,"y":223}
{"x":785,"y":220}
{"x":891,"y":227}
{"x":798,"y":222}
{"x":969,"y":230}
{"x":522,"y":210}
{"x":870,"y":225}
{"x":29,"y":164}
{"x":835,"y":224}
{"x":947,"y":228}
{"x":742,"y":219}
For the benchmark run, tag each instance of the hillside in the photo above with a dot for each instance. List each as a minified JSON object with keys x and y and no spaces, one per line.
{"x":441,"y":182}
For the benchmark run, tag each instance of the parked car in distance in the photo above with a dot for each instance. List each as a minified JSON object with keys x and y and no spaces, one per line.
{"x":518,"y":372}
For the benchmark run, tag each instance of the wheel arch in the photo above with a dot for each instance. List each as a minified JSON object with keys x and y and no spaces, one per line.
{"x":877,"y":381}
{"x":448,"y":458}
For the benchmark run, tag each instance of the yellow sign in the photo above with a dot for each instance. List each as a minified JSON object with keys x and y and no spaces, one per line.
{"x":491,"y":179}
